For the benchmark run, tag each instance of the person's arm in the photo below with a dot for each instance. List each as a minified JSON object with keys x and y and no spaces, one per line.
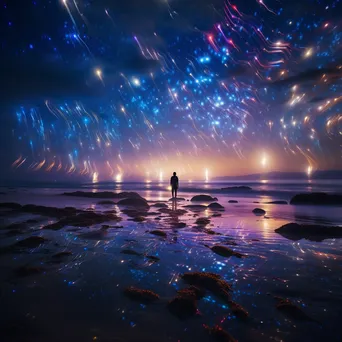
{"x":177,"y":182}
{"x":171,"y":181}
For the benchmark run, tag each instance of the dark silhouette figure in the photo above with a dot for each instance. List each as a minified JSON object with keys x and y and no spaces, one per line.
{"x":174,"y":185}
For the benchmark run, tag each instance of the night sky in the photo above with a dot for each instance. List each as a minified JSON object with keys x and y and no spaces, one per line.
{"x":100,"y":89}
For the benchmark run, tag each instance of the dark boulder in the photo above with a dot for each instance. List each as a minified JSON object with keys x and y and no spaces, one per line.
{"x":158,"y":233}
{"x":178,"y":199}
{"x":160,"y":205}
{"x":225,"y":251}
{"x":317,"y":198}
{"x":84,"y":219}
{"x":107,"y":202}
{"x":203,"y":198}
{"x":259,"y":211}
{"x":202,"y":221}
{"x":295,"y":232}
{"x":196,"y":207}
{"x":277,"y":202}
{"x":215,"y":206}
{"x":183,"y":306}
{"x":237,"y":188}
{"x":219,"y":334}
{"x":133,"y":202}
{"x":233,"y":201}
{"x":211,"y":282}
{"x":10,"y":205}
{"x":142,"y":296}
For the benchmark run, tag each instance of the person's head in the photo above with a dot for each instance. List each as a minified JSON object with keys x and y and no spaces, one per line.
{"x":174,"y":173}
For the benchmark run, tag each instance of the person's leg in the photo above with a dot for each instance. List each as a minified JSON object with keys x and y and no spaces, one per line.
{"x":173,"y":191}
{"x":176,"y":192}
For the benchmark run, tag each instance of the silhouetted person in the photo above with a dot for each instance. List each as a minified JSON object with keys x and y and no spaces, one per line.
{"x":174,"y":185}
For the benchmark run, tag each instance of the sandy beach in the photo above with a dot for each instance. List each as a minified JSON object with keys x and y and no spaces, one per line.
{"x":69,"y":282}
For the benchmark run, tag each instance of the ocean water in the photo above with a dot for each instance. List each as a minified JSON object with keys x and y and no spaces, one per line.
{"x":81,"y":298}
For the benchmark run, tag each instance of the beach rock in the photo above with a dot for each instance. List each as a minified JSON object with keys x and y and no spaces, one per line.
{"x":295,"y":232}
{"x":133,"y":202}
{"x":139,"y":219}
{"x":211,"y":232}
{"x":178,"y":212}
{"x":202,"y":221}
{"x":233,"y":201}
{"x":259,"y":211}
{"x":196,"y":207}
{"x":216,"y":215}
{"x":107,"y":202}
{"x":277,"y":202}
{"x":225,"y":251}
{"x":215,"y":206}
{"x":130,"y":252}
{"x":134,"y":212}
{"x":317,"y":198}
{"x":203,"y":198}
{"x":237,"y":188}
{"x":178,"y":199}
{"x":219,"y":334}
{"x":10,"y":205}
{"x":238,"y":310}
{"x":30,"y":242}
{"x":178,"y":225}
{"x":192,"y":291}
{"x":26,"y":271}
{"x":84,"y":219}
{"x":160,"y":205}
{"x":183,"y":306}
{"x":142,"y":296}
{"x":49,"y":211}
{"x":158,"y":233}
{"x":104,"y":194}
{"x":152,"y":258}
{"x":292,"y":311}
{"x":211,"y":282}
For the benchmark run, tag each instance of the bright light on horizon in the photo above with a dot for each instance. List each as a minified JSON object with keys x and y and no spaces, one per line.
{"x":118,"y":178}
{"x":206,"y":175}
{"x":309,"y":170}
{"x":95,"y":177}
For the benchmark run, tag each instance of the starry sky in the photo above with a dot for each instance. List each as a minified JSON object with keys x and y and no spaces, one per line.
{"x":102,"y":90}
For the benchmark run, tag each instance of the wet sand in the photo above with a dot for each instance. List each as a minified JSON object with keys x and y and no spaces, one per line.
{"x":71,"y":286}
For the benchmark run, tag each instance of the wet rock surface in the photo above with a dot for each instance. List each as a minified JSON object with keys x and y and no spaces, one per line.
{"x":140,"y":295}
{"x":295,"y":231}
{"x":219,"y":334}
{"x":237,"y":188}
{"x":277,"y":202}
{"x":107,"y":202}
{"x":203,"y":198}
{"x":211,"y":282}
{"x":259,"y":211}
{"x":84,"y":219}
{"x":216,"y":206}
{"x":202,"y":221}
{"x":225,"y":251}
{"x":158,"y":233}
{"x":233,"y":201}
{"x":317,"y":198}
{"x":133,"y":202}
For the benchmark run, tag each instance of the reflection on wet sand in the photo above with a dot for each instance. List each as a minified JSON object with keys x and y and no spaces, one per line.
{"x":86,"y":284}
